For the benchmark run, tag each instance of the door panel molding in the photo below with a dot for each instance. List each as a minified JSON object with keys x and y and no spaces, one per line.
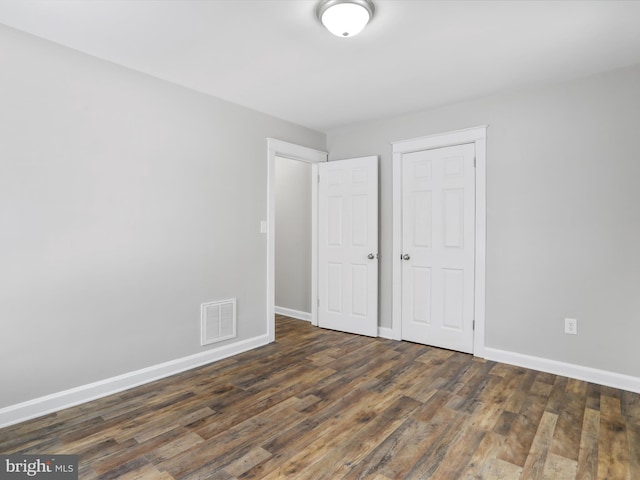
{"x":476,"y":136}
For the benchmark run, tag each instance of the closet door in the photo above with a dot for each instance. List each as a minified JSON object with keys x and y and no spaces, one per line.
{"x":438,"y":236}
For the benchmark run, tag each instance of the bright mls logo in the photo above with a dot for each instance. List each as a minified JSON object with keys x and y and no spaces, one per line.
{"x":50,"y":467}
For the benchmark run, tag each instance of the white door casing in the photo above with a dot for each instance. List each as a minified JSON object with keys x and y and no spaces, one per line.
{"x":477,"y":138}
{"x":438,"y":246}
{"x":348,"y":246}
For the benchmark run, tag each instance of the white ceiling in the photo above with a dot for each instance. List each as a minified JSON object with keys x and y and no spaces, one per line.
{"x":275,"y":57}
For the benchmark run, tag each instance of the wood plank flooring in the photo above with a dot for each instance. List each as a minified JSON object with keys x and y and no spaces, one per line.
{"x":318,"y":404}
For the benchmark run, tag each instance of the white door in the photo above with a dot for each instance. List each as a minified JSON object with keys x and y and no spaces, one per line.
{"x":348,"y":246}
{"x":438,"y":235}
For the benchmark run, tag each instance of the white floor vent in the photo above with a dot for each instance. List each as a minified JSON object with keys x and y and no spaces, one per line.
{"x":218,"y":321}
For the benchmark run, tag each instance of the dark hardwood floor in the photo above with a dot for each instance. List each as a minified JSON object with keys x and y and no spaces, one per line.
{"x":318,"y":404}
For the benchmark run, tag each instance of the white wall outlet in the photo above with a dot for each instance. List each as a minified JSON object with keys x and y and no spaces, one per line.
{"x":263,"y":226}
{"x":571,"y":326}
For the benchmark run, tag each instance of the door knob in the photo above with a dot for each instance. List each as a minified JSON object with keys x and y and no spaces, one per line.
{"x":406,"y":256}
{"x":371,"y":256}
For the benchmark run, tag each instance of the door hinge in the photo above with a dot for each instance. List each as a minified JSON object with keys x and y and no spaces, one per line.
{"x":318,"y":301}
{"x":474,"y":325}
{"x":318,"y":178}
{"x":474,"y":162}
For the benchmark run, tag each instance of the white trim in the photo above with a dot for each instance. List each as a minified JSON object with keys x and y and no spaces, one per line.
{"x":386,"y":332}
{"x":476,"y":135}
{"x":396,"y":249}
{"x":279,"y":148}
{"x":68,"y":398}
{"x":315,"y":178}
{"x":579,"y":372}
{"x":439,"y":140}
{"x":290,"y":312}
{"x":296,"y":152}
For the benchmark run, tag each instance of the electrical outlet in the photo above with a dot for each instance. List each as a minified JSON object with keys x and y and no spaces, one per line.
{"x":571,"y":326}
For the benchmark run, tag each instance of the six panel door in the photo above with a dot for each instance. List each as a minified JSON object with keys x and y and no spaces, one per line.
{"x":438,"y":235}
{"x":348,"y":246}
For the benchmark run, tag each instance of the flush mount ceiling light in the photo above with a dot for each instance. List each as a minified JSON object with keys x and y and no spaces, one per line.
{"x":345,"y":18}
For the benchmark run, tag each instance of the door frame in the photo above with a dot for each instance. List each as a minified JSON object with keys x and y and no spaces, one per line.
{"x":477,"y":136}
{"x":279,"y":148}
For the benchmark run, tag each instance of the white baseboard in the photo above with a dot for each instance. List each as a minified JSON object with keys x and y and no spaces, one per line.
{"x":68,"y":398}
{"x":290,"y":312}
{"x":588,"y":374}
{"x":385,"y":332}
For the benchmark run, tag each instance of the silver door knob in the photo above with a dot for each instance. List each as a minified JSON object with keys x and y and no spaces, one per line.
{"x":406,"y":256}
{"x":371,"y":256}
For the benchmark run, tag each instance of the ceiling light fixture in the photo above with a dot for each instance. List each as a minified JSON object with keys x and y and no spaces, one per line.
{"x":345,"y":18}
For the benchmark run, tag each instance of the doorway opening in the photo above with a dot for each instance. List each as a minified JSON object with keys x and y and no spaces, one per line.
{"x":280,"y":149}
{"x":293,"y":238}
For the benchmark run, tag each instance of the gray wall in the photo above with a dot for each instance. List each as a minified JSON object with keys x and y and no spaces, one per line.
{"x":293,"y":235}
{"x":125,"y":202}
{"x":563,"y":214}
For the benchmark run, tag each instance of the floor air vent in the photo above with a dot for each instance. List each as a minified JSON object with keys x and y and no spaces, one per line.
{"x":218,"y":321}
